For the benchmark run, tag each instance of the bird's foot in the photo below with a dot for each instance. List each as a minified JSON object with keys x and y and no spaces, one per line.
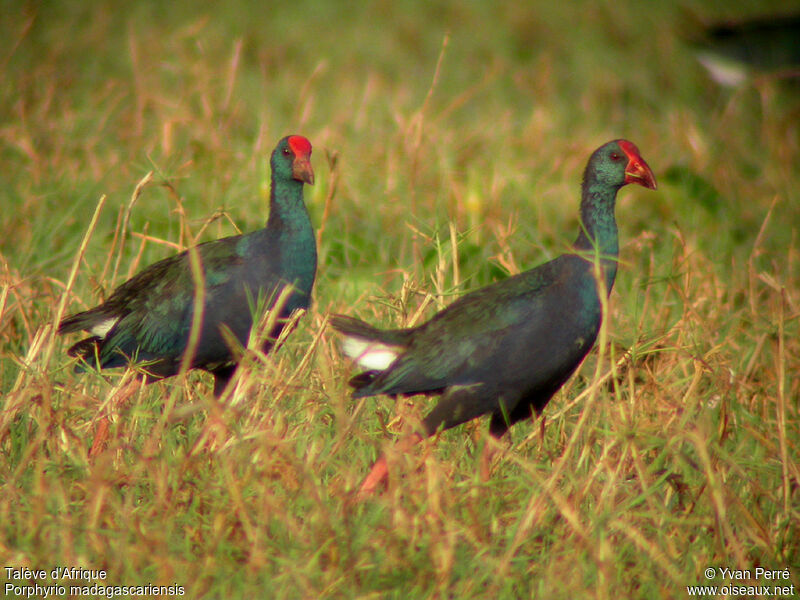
{"x":487,"y":456}
{"x":377,"y":477}
{"x":379,"y":474}
{"x":117,"y":402}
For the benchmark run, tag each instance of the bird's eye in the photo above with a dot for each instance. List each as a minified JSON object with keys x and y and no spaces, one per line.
{"x":616,"y":156}
{"x":286,"y":151}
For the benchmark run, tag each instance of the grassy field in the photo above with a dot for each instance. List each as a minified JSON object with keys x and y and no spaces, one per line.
{"x":449,"y":141}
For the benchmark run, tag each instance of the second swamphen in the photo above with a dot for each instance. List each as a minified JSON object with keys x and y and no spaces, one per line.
{"x":505,"y":349}
{"x":149,"y":317}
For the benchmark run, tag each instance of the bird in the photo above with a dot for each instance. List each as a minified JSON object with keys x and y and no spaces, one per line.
{"x":504,"y":349}
{"x":733,"y":51}
{"x":148,"y":319}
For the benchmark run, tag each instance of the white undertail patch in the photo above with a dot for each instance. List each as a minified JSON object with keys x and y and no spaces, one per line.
{"x":370,"y":355}
{"x":722,"y":70}
{"x":103,"y":327}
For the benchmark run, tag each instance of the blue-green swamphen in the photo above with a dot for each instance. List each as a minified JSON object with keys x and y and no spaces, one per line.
{"x":148,"y":318}
{"x":505,"y":349}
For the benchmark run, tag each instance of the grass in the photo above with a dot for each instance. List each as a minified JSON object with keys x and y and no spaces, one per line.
{"x":449,"y":142}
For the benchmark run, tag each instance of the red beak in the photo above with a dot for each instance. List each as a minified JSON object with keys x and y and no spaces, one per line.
{"x":637,"y":171}
{"x":302,"y":171}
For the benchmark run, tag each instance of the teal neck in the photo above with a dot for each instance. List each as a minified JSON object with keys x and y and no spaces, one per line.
{"x":289,"y":220}
{"x":599,"y":228}
{"x":286,"y":208}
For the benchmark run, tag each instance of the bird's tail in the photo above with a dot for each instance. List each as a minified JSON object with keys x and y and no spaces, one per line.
{"x":369,"y":347}
{"x":352,"y":327}
{"x":76,"y":322}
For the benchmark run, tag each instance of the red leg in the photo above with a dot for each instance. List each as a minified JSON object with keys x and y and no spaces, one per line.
{"x":122,"y":397}
{"x":377,"y":476}
{"x":541,"y":432}
{"x":380,"y":470}
{"x":489,"y":451}
{"x":100,"y":437}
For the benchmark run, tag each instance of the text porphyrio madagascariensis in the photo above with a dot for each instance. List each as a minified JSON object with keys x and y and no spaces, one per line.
{"x":149,"y":317}
{"x":507,"y":348}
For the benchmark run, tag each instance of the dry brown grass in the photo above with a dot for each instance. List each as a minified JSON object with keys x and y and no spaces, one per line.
{"x":674,"y":449}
